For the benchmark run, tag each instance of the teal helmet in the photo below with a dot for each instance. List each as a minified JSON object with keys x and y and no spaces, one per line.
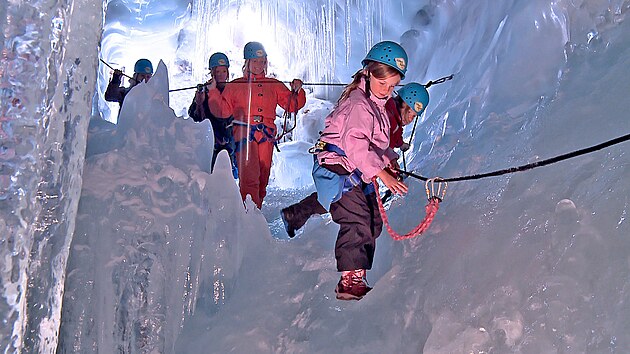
{"x":143,"y":66}
{"x":415,"y":95}
{"x":218,"y":59}
{"x":254,"y":50}
{"x":388,"y":53}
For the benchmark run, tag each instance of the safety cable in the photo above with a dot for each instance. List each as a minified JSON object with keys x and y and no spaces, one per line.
{"x":111,"y":67}
{"x":528,"y":166}
{"x":430,"y":83}
{"x":262,"y":81}
{"x":438,"y":81}
{"x":436,"y":196}
{"x":413,"y":130}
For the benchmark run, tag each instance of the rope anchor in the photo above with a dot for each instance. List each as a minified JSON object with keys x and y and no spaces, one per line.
{"x":435,"y":188}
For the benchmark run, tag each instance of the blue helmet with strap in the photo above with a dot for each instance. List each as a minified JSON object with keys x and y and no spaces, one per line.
{"x":415,"y":96}
{"x":143,"y":66}
{"x":218,"y":59}
{"x":254,"y":50}
{"x":388,"y":53}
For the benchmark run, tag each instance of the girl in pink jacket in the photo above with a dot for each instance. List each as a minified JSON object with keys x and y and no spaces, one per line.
{"x":353,"y":148}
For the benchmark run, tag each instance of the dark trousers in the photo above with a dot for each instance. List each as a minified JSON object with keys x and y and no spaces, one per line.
{"x":300,"y":212}
{"x":230,"y":149}
{"x":360,"y":224}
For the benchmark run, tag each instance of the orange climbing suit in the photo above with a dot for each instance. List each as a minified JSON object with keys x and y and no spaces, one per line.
{"x":254,"y":128}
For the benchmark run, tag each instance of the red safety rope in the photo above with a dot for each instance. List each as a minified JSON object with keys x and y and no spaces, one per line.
{"x":431,"y":210}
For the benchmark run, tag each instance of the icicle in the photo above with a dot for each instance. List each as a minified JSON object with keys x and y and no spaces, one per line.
{"x":347,"y":36}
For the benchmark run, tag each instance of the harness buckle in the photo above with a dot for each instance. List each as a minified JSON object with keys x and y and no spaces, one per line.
{"x":355,"y":178}
{"x":318,"y":147}
{"x":258,"y":119}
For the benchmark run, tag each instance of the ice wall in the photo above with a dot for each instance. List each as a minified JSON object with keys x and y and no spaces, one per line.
{"x":157,"y":236}
{"x":46,"y":82}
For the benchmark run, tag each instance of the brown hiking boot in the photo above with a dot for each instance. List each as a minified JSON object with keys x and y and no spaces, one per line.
{"x":352,"y":285}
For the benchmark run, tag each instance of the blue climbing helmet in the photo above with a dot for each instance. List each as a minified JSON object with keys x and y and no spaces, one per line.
{"x":218,"y":59}
{"x":254,"y":50}
{"x":143,"y":66}
{"x":388,"y":53}
{"x":415,"y":95}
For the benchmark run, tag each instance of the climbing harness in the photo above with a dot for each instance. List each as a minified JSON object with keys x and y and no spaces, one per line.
{"x":528,"y":166}
{"x":353,"y":179}
{"x":331,"y":185}
{"x":268,"y":133}
{"x":435,"y":190}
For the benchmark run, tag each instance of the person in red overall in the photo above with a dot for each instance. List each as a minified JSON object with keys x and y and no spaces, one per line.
{"x":401,"y":110}
{"x":252,"y":101}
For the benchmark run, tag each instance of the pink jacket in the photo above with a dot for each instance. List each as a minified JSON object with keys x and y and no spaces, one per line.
{"x":360,"y":127}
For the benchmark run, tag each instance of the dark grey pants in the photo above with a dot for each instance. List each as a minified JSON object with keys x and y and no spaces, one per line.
{"x":300,"y":212}
{"x":360,"y":224}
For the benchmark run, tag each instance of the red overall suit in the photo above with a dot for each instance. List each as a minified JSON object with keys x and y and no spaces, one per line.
{"x":254,"y":128}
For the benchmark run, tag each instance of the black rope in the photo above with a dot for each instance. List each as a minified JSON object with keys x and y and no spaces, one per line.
{"x":388,"y":193}
{"x":528,"y":166}
{"x":186,"y":88}
{"x":430,"y":83}
{"x":439,"y":81}
{"x":111,"y":67}
{"x":413,"y":130}
{"x":262,"y":81}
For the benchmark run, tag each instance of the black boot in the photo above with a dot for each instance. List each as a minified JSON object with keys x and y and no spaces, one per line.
{"x":287,"y":216}
{"x":296,"y":215}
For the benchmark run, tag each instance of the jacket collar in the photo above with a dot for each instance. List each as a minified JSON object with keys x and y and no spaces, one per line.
{"x":255,"y":77}
{"x":380,"y":102}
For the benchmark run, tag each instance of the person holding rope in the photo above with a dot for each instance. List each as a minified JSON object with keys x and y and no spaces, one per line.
{"x":142,"y":71}
{"x":219,"y":65}
{"x":402,"y":109}
{"x":252,"y":101}
{"x":352,"y":149}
